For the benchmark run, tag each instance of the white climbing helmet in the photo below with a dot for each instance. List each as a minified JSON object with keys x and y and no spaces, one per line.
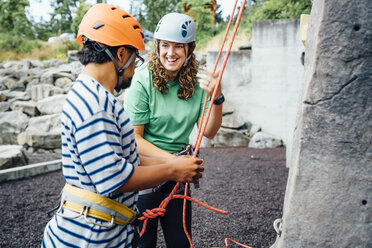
{"x":175,"y":27}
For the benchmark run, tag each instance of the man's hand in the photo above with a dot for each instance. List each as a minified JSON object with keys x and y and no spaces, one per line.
{"x":187,"y":170}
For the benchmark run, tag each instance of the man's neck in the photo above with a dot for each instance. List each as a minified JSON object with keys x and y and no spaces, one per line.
{"x":105,"y":74}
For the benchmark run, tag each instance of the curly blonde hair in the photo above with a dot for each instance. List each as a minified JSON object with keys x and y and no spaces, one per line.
{"x":186,"y":76}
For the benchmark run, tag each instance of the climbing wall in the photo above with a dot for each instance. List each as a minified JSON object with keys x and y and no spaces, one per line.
{"x":329,"y":192}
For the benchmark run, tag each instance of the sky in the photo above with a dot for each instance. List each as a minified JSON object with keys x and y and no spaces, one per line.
{"x":41,"y":8}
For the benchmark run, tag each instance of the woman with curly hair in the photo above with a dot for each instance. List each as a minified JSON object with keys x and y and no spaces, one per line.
{"x":165,"y":101}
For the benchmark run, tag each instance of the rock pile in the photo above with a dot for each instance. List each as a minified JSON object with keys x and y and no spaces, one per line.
{"x":32,"y":94}
{"x":235,"y":132}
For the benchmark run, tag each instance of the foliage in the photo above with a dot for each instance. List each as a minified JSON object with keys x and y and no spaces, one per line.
{"x":62,"y":17}
{"x":13,"y":18}
{"x":150,"y":12}
{"x":17,"y":44}
{"x":17,"y":33}
{"x":282,"y":9}
{"x":200,"y":11}
{"x":80,"y":12}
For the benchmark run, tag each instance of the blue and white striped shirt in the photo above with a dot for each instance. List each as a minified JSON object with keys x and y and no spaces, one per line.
{"x":99,"y":153}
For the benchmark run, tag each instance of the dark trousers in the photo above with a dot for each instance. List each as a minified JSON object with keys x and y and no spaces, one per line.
{"x":171,"y":222}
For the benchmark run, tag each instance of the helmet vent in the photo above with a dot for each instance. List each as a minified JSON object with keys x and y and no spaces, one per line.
{"x":98,"y":25}
{"x":113,"y":8}
{"x":126,"y":16}
{"x":136,"y":27}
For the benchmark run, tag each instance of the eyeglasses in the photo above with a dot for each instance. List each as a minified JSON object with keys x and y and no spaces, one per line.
{"x":139,"y":60}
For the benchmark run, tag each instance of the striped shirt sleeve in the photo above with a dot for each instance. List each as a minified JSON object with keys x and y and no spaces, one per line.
{"x":98,"y":142}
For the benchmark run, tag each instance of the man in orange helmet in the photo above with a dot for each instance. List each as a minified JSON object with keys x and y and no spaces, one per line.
{"x":99,"y":151}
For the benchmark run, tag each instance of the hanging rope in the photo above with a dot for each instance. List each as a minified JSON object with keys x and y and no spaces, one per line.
{"x":156,"y":212}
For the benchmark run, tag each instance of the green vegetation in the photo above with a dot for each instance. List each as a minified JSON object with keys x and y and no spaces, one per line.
{"x":21,"y":37}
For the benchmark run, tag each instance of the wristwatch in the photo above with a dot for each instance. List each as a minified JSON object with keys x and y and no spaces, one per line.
{"x":219,"y":100}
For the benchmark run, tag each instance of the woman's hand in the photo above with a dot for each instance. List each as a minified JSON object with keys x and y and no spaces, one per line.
{"x":208,"y":81}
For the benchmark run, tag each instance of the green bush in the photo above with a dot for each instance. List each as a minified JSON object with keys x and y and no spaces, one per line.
{"x":281,"y":9}
{"x":16,"y":43}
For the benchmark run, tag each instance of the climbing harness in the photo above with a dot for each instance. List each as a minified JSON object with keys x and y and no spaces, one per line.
{"x":154,"y":213}
{"x":86,"y":203}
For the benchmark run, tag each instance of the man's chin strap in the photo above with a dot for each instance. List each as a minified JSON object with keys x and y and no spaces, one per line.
{"x":120,"y":71}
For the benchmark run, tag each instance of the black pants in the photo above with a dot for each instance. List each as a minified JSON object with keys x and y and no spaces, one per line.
{"x":171,"y":222}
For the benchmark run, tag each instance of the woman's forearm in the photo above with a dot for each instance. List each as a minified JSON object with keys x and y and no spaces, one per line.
{"x":214,"y":123}
{"x":147,"y":149}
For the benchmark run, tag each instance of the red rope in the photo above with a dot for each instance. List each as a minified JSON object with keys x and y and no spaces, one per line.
{"x":154,"y":213}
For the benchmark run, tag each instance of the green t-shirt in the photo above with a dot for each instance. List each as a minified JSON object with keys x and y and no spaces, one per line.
{"x":167,"y":119}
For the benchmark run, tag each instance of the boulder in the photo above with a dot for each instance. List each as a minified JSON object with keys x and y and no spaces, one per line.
{"x":47,"y":76}
{"x":73,"y":68}
{"x":53,"y":62}
{"x":3,"y":96}
{"x":254,"y":129}
{"x":37,"y":63}
{"x":42,"y":132}
{"x":11,"y":124}
{"x":230,"y":137}
{"x":9,"y":81}
{"x":51,"y":105}
{"x":2,"y":86}
{"x":15,"y":65}
{"x":21,"y":84}
{"x":227,"y":108}
{"x":4,"y":106}
{"x":64,"y":83}
{"x":232,"y":121}
{"x":6,"y":95}
{"x":27,"y":107}
{"x":41,"y":91}
{"x":72,"y":56}
{"x":265,"y":140}
{"x":11,"y":156}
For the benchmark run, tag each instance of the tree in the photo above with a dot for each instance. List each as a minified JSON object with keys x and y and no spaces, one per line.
{"x":282,"y":9}
{"x":13,"y":18}
{"x":80,"y":12}
{"x":62,"y":17}
{"x":200,"y":11}
{"x":150,"y":12}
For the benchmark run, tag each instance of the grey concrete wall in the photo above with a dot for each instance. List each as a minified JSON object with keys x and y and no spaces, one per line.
{"x":263,"y":84}
{"x":329,"y":190}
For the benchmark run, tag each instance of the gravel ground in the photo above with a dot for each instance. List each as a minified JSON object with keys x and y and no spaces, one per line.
{"x":248,"y":183}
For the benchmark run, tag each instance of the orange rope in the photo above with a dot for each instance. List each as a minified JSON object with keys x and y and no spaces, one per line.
{"x":199,"y":136}
{"x":205,"y":122}
{"x":154,"y":213}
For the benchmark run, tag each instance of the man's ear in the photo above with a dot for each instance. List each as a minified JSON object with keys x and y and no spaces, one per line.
{"x":121,"y":53}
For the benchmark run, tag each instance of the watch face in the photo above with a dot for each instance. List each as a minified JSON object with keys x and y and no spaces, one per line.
{"x":219,"y":100}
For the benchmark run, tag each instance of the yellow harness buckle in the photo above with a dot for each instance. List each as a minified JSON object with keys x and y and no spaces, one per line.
{"x":87,"y":203}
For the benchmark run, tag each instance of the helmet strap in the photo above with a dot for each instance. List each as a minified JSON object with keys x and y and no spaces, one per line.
{"x":119,"y":70}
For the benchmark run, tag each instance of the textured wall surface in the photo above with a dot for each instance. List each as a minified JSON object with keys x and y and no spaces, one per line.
{"x":264,"y":84}
{"x":329,"y":190}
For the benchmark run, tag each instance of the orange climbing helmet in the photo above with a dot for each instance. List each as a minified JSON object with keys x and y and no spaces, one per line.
{"x":111,"y":26}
